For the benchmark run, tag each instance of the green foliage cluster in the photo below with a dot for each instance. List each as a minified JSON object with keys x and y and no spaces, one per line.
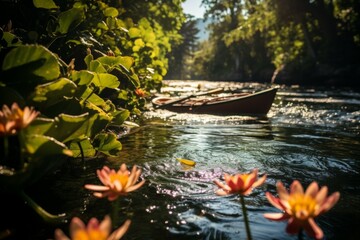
{"x":81,"y":64}
{"x":181,"y":57}
{"x":252,"y":39}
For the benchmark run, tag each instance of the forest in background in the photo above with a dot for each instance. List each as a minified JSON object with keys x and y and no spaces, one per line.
{"x":312,"y":42}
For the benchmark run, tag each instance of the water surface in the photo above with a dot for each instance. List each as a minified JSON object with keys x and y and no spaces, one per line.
{"x":309,"y":135}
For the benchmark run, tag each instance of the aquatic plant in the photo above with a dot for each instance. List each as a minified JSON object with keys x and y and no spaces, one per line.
{"x":93,"y":230}
{"x":14,"y":119}
{"x":243,"y":185}
{"x":300,"y":208}
{"x":116,"y":183}
{"x":24,"y":154}
{"x":140,"y":92}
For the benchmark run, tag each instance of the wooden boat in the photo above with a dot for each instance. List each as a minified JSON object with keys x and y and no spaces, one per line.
{"x":258,"y":103}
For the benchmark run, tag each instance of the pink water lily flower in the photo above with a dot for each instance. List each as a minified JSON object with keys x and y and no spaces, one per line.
{"x":14,"y":119}
{"x":140,"y":92}
{"x":116,"y":183}
{"x":93,"y":230}
{"x":239,"y":183}
{"x":300,"y":208}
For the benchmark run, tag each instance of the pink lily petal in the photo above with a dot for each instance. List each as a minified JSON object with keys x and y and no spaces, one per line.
{"x":221,"y":192}
{"x":236,"y":186}
{"x":283,"y":193}
{"x":123,"y":169}
{"x":276,"y":216}
{"x":118,"y":233}
{"x":259,"y":181}
{"x":220,"y":184}
{"x":105,"y":225}
{"x":103,"y":175}
{"x":75,"y":225}
{"x":330,"y":202}
{"x":135,"y":187}
{"x":132,"y":178}
{"x":60,"y":235}
{"x":98,"y":195}
{"x":251,"y":179}
{"x":313,"y":230}
{"x":312,"y":190}
{"x":274,"y":201}
{"x":117,"y":186}
{"x":247,"y":192}
{"x":96,"y":187}
{"x":137,"y":175}
{"x":296,"y":187}
{"x":92,"y":224}
{"x":321,"y":196}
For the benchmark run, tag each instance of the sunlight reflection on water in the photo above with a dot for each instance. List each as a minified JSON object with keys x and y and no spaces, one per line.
{"x":304,"y":140}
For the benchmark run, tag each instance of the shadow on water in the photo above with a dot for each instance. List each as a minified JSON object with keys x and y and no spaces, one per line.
{"x":303,"y":140}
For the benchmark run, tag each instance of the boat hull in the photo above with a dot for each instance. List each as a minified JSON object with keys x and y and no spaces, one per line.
{"x":252,"y":104}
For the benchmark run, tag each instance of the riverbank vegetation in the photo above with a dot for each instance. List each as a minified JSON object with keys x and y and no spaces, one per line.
{"x":73,"y":70}
{"x":70,"y":71}
{"x":298,"y":42}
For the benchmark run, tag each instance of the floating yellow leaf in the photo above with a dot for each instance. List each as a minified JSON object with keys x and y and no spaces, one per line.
{"x":186,"y":161}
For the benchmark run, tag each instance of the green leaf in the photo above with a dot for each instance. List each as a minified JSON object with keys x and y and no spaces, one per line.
{"x":39,"y":126}
{"x":47,"y":4}
{"x":102,"y":25}
{"x":143,"y":22}
{"x":43,"y":146}
{"x":96,"y":66}
{"x":149,"y":36}
{"x":68,"y":127}
{"x":134,"y":79}
{"x":44,"y":63}
{"x":88,"y":59}
{"x":111,"y":12}
{"x":70,"y":18}
{"x":99,"y":118}
{"x":107,"y":144}
{"x":134,"y":32}
{"x":123,"y":95}
{"x":111,"y":62}
{"x":106,"y":80}
{"x":11,"y":39}
{"x":120,"y":116}
{"x":126,"y":62}
{"x":87,"y":94}
{"x":54,"y":92}
{"x":82,"y":77}
{"x":87,"y":149}
{"x":45,"y":154}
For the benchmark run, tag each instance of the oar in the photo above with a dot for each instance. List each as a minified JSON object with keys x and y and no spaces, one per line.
{"x":217,"y":90}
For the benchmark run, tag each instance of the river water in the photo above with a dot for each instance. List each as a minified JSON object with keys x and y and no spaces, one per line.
{"x":310,"y":134}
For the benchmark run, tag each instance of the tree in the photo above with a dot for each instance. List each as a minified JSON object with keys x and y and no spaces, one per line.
{"x":181,"y":57}
{"x":305,"y":39}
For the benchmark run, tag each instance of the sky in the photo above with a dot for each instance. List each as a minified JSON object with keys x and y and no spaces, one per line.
{"x":193,"y":7}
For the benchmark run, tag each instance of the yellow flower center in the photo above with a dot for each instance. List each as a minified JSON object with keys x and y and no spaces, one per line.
{"x":122,"y":178}
{"x":92,"y":234}
{"x":302,"y":206}
{"x":243,"y":177}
